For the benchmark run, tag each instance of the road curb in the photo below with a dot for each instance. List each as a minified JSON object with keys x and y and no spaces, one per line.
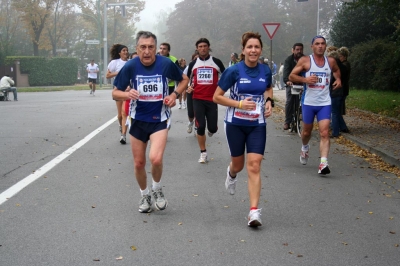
{"x":387,"y":157}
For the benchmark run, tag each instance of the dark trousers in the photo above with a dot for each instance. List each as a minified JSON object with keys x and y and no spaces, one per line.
{"x":289,"y":105}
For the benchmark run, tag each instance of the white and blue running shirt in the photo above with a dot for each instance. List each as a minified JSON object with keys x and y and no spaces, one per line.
{"x":318,"y":94}
{"x":152,"y":84}
{"x":244,"y":82}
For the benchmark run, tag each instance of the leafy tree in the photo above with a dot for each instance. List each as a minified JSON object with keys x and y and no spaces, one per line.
{"x":35,"y":15}
{"x":224,"y":21}
{"x":352,"y":25}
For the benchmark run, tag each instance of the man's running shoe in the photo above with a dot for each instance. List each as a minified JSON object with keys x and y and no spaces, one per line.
{"x":183,"y":105}
{"x":195,"y":131}
{"x":304,"y":157}
{"x":254,"y":218}
{"x":180,"y":106}
{"x":323,"y":168}
{"x":122,"y":140}
{"x":230,"y":184}
{"x":203,"y":157}
{"x":159,"y":200}
{"x":120,"y":129}
{"x":210,"y":134}
{"x":91,"y":91}
{"x":190,"y":127}
{"x":145,"y":204}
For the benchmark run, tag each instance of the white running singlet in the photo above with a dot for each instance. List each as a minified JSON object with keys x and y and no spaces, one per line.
{"x":317,"y":94}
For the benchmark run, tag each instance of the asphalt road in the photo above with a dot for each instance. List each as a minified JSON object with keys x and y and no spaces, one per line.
{"x":84,"y":209}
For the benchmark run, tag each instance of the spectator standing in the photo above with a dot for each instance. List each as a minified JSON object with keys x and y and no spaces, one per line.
{"x":234,"y":59}
{"x":290,"y":63}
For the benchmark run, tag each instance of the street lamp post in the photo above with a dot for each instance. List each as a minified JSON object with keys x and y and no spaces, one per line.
{"x":105,"y":33}
{"x":98,"y":22}
{"x":317,"y":14}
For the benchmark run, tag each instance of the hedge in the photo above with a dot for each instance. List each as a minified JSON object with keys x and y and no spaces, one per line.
{"x":57,"y":71}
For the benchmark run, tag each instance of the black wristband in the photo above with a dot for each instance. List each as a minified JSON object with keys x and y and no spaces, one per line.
{"x":177,"y":94}
{"x":272,"y":101}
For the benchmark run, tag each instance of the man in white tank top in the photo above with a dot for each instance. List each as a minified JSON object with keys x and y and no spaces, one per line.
{"x":316,"y":72}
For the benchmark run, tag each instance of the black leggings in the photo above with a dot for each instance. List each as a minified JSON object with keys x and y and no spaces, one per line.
{"x":206,"y":113}
{"x":189,"y":105}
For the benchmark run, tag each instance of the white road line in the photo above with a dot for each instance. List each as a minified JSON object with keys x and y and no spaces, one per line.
{"x":47,"y":167}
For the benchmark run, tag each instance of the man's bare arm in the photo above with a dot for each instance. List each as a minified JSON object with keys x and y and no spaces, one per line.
{"x":302,"y":64}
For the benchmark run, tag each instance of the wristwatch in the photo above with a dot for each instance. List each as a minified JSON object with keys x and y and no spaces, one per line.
{"x":177,"y":94}
{"x":272,"y":101}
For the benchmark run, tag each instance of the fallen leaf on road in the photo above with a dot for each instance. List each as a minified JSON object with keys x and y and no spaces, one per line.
{"x":96,"y":259}
{"x":391,"y":218}
{"x":392,"y":232}
{"x":370,"y":213}
{"x":119,"y":258}
{"x":179,"y":223}
{"x":299,"y":256}
{"x":133,"y":248}
{"x":195,"y":195}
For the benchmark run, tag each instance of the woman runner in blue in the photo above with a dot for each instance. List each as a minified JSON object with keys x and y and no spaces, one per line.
{"x":249,"y":104}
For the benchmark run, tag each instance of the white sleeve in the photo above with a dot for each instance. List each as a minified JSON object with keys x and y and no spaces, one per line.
{"x":186,"y":70}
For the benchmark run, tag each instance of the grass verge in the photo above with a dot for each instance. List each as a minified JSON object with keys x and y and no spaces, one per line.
{"x":384,"y":103}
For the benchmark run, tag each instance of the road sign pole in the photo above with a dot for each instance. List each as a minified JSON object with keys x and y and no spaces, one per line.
{"x":271,"y":29}
{"x":270,"y":61}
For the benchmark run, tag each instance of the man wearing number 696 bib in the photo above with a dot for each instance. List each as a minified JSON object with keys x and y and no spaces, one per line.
{"x":147,"y":77}
{"x":316,"y":100}
{"x":204,"y":73}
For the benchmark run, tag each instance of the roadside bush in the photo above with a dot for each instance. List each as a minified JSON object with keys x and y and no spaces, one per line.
{"x":374,"y":65}
{"x":57,"y":71}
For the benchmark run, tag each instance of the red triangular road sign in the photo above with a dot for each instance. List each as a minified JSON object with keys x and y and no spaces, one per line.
{"x":271,"y":28}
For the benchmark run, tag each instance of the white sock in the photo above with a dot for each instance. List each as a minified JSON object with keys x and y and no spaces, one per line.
{"x":305,"y":147}
{"x":156,"y":185}
{"x":144,"y":192}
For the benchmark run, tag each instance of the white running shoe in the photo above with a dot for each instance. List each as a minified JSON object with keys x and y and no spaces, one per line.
{"x":122,"y":140}
{"x":203,"y":157}
{"x":324,"y":168}
{"x":184,"y":105}
{"x":230,"y":183}
{"x":145,"y":204}
{"x":304,"y":157}
{"x":159,"y":199}
{"x":190,"y":127}
{"x":254,"y":218}
{"x":210,"y":134}
{"x":180,"y":106}
{"x":91,"y":91}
